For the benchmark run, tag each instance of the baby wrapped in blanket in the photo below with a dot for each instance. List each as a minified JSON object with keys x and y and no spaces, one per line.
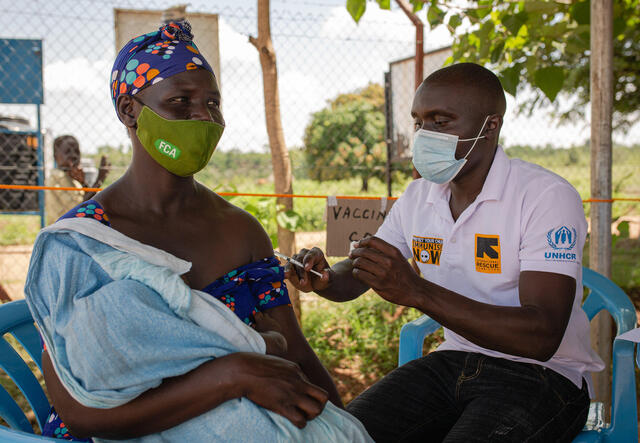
{"x":117,"y":319}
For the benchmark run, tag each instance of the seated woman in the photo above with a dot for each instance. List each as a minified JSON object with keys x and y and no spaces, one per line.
{"x":133,"y":349}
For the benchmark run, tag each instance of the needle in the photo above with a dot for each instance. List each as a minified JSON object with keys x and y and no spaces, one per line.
{"x":295,"y":262}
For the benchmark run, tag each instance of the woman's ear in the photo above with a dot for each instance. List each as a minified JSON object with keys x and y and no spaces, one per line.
{"x":127,"y":112}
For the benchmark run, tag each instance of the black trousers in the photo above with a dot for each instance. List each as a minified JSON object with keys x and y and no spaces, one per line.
{"x":454,"y":396}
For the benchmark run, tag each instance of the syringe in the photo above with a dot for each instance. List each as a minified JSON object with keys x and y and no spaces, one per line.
{"x":295,"y":262}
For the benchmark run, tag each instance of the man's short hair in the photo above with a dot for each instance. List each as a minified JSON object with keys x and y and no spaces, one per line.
{"x":471,"y":75}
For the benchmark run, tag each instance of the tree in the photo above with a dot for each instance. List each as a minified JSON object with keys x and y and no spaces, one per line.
{"x":283,"y":180}
{"x":543,"y":45}
{"x":346,"y":139}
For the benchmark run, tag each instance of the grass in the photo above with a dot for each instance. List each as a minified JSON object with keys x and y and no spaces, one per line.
{"x":625,"y":265}
{"x":357,"y":340}
{"x":18,"y":229}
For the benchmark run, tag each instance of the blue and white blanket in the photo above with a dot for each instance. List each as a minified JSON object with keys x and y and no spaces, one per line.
{"x":117,"y":319}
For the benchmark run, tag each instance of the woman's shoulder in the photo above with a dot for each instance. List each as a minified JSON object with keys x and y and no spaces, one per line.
{"x":90,"y":209}
{"x":242,"y":223}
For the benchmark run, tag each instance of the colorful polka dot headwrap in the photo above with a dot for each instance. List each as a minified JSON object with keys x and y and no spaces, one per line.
{"x":152,"y":57}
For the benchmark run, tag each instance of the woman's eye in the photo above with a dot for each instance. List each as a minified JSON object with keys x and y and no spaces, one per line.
{"x":417,"y":125}
{"x":213,"y":103}
{"x":180,"y":100}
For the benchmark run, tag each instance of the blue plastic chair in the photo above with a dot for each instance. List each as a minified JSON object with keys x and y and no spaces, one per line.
{"x":16,"y":320}
{"x":604,"y":294}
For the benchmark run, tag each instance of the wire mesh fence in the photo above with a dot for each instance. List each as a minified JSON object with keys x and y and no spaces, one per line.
{"x":331,"y":80}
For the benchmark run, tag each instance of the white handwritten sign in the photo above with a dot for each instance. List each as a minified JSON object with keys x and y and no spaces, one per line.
{"x":353,"y":220}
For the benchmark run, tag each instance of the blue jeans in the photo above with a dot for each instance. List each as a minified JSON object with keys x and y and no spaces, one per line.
{"x":455,"y":396}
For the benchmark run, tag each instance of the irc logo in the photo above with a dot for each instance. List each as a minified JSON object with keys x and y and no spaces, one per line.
{"x":488,"y":254}
{"x":562,"y":238}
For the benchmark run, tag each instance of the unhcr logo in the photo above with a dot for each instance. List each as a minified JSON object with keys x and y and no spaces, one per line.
{"x":560,"y":256}
{"x":562,"y":238}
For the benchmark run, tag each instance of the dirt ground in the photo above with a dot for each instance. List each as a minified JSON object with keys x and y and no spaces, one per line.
{"x":14,"y":263}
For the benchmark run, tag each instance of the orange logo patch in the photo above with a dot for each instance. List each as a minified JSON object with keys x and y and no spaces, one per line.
{"x":488,"y":254}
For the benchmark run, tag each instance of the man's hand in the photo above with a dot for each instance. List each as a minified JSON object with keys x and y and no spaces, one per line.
{"x":103,"y":171}
{"x":304,"y":280}
{"x":382,"y":267}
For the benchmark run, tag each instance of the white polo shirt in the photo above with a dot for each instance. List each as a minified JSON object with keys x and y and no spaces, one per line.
{"x":525,"y":219}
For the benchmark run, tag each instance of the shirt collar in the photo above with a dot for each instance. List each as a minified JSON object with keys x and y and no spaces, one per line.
{"x":496,"y":180}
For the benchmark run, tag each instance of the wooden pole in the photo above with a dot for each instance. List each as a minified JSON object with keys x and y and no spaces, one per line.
{"x":600,"y":238}
{"x":388,"y":127}
{"x":419,"y":55}
{"x":418,"y":60}
{"x":282,"y":176}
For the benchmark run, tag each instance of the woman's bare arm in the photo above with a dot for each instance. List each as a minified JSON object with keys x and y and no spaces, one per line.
{"x":299,"y":351}
{"x":271,"y":382}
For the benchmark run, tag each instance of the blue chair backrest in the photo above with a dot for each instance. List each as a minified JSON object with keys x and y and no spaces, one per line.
{"x":15,"y":319}
{"x":605,"y":294}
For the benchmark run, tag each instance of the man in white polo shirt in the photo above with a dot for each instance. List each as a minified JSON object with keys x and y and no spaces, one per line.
{"x":499,"y":245}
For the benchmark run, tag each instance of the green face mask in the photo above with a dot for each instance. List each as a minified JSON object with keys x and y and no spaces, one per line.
{"x":182,"y":147}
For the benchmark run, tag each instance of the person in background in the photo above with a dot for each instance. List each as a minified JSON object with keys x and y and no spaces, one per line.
{"x":69,"y":173}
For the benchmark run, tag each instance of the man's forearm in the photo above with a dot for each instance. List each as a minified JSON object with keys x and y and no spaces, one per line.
{"x":523,"y":331}
{"x":343,"y":286}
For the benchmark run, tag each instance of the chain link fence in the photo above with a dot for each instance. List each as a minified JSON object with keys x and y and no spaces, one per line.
{"x":331,"y":80}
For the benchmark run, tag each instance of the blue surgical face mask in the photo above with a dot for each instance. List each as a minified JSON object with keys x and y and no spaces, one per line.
{"x":434,"y":154}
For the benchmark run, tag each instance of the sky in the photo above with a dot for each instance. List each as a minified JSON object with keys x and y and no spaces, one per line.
{"x":320,"y":52}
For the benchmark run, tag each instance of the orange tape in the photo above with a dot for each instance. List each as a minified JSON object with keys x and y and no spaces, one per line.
{"x":246,"y":194}
{"x":49,"y":188}
{"x":354,"y":197}
{"x":224,"y":194}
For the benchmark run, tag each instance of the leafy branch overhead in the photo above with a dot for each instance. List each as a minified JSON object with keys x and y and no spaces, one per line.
{"x":541,"y":44}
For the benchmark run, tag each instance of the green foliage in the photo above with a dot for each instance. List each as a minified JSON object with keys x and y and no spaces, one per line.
{"x":625,"y":271}
{"x":358,"y":340}
{"x":357,"y":7}
{"x":574,"y":165}
{"x":373,"y":94}
{"x":18,"y":229}
{"x":544,"y":45}
{"x":346,"y":139}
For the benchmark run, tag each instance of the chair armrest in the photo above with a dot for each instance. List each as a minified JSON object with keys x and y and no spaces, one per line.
{"x":624,"y":424}
{"x":605,"y":294}
{"x":412,"y":337}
